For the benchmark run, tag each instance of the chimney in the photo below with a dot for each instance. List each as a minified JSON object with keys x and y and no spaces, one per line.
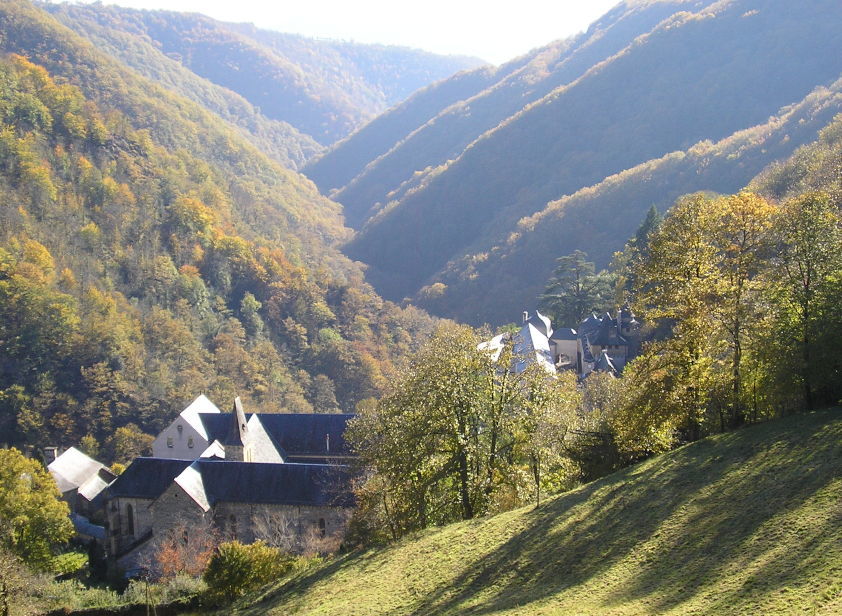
{"x":525,"y":316}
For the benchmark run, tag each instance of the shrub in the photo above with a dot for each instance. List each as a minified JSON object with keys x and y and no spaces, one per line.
{"x":236,"y":569}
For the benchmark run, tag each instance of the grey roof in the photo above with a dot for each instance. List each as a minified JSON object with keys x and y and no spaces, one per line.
{"x":147,"y":477}
{"x":587,"y":354}
{"x":216,"y":425}
{"x":590,"y":325}
{"x":605,"y":364}
{"x":285,"y":484}
{"x":84,"y":526}
{"x":607,"y":333}
{"x":296,"y":434}
{"x":73,"y":470}
{"x":308,"y":434}
{"x":541,"y":323}
{"x":565,"y":333}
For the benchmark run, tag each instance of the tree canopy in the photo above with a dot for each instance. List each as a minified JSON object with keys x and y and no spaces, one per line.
{"x":33,"y":519}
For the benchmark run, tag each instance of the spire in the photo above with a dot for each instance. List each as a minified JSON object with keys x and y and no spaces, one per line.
{"x":238,"y":431}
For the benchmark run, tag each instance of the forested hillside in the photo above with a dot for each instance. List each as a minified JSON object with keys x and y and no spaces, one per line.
{"x":702,"y":74}
{"x":516,"y":268}
{"x":149,"y":253}
{"x":441,"y":132}
{"x":324,"y":89}
{"x":274,"y":137}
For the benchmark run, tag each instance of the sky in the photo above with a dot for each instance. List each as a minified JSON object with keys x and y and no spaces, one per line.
{"x":494,"y":30}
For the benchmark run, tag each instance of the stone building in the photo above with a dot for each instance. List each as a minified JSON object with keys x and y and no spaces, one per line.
{"x":277,"y":477}
{"x":80,"y":479}
{"x":602,"y":343}
{"x":202,"y":431}
{"x":287,"y":504}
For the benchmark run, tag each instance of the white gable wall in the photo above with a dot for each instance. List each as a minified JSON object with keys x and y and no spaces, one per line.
{"x":185,"y":437}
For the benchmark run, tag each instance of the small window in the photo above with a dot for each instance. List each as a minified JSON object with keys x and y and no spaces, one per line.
{"x":322,"y":527}
{"x":180,"y":429}
{"x":130,"y":520}
{"x":190,"y":442}
{"x":232,"y":521}
{"x":169,"y":441}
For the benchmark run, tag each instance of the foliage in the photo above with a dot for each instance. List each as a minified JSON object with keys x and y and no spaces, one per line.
{"x":460,"y":435}
{"x":325,"y":89}
{"x":576,"y":290}
{"x":739,"y":523}
{"x":33,"y":520}
{"x":185,"y":549}
{"x":236,"y":569}
{"x":806,"y":290}
{"x":18,"y":586}
{"x":69,"y":562}
{"x":158,"y":256}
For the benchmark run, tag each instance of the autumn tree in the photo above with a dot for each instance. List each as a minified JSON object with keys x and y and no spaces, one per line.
{"x":457,"y":433}
{"x":33,"y":519}
{"x":806,"y":282}
{"x":741,"y":236}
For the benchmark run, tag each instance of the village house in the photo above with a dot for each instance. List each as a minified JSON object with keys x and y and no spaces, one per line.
{"x":277,"y":477}
{"x":202,"y":431}
{"x":80,"y":479}
{"x":292,"y":505}
{"x":601,"y":344}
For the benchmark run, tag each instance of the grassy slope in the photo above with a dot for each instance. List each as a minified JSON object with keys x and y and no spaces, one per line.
{"x":743,"y":523}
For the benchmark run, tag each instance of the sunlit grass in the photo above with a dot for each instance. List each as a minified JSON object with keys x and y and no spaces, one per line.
{"x":743,"y":523}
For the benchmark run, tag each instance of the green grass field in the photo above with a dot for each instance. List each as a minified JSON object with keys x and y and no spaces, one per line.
{"x":743,"y":523}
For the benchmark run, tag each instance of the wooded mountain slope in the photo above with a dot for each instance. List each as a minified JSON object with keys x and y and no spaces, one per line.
{"x":325,"y":89}
{"x":149,"y":253}
{"x":515,"y":269}
{"x":398,"y":148}
{"x":695,"y":76}
{"x":99,"y":24}
{"x":741,"y":523}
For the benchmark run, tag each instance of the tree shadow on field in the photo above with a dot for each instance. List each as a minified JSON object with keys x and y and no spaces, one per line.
{"x":676,"y":526}
{"x":684,"y":518}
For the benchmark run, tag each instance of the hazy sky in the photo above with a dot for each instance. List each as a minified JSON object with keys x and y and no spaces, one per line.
{"x":495,"y":30}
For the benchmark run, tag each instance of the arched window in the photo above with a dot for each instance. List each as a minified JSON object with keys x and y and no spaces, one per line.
{"x":322,"y":527}
{"x":130,"y":520}
{"x":232,"y":520}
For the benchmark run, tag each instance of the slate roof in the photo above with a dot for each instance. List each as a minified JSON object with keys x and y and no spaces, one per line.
{"x":605,"y":364}
{"x":531,"y":344}
{"x":191,"y":414}
{"x":565,"y":333}
{"x":213,"y":481}
{"x":607,"y":333}
{"x":308,"y":434}
{"x":73,"y":470}
{"x":147,"y":477}
{"x":541,"y":323}
{"x":215,"y":425}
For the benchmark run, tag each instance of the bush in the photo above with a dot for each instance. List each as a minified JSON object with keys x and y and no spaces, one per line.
{"x":236,"y":569}
{"x":69,"y":562}
{"x":179,"y":588}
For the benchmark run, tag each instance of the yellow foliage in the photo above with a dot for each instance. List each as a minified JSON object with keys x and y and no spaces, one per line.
{"x":38,"y":255}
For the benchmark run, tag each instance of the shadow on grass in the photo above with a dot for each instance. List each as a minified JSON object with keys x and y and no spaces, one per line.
{"x":715,"y":495}
{"x":676,"y":525}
